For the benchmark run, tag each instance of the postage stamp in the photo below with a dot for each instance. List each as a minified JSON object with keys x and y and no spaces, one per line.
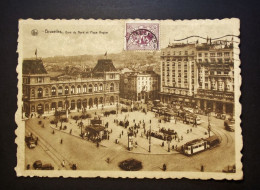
{"x":142,"y":36}
{"x":129,"y":98}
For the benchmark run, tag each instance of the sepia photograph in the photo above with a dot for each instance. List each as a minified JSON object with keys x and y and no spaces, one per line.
{"x":129,"y":98}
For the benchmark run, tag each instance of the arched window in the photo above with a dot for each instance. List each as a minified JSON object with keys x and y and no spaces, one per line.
{"x":112,"y":87}
{"x":72,"y":90}
{"x":84,"y":88}
{"x":78,"y":89}
{"x":66,"y":90}
{"x":60,"y":90}
{"x":95,"y":88}
{"x":90,"y":88}
{"x":40,"y":93}
{"x":101,"y":87}
{"x":53,"y":91}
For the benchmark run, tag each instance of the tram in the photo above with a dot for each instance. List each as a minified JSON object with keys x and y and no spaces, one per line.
{"x":199,"y":145}
{"x":195,"y":146}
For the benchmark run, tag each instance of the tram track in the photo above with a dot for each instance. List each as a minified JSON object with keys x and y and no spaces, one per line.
{"x":50,"y":151}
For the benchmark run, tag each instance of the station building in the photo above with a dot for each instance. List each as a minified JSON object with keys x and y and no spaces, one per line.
{"x":43,"y":94}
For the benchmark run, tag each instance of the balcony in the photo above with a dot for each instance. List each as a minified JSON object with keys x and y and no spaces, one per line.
{"x":214,"y":94}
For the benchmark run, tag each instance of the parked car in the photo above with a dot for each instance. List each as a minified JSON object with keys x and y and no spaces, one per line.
{"x":229,"y":124}
{"x":113,"y":112}
{"x":30,"y":142}
{"x":229,"y":169}
{"x":47,"y":167}
{"x":220,"y":116}
{"x":37,"y":164}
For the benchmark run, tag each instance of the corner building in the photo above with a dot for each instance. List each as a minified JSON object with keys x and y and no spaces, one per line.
{"x":43,"y":94}
{"x":140,"y":86}
{"x":199,"y":75}
{"x":216,"y":77}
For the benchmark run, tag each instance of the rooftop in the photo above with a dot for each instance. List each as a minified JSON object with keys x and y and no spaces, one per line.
{"x":104,"y":65}
{"x":34,"y":66}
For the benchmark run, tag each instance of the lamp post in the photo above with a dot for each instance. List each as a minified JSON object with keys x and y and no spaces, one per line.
{"x":66,"y":107}
{"x":150,"y":136}
{"x":209,"y":126}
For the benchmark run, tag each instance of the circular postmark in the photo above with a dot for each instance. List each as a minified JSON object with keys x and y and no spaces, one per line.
{"x":143,"y":38}
{"x":34,"y":32}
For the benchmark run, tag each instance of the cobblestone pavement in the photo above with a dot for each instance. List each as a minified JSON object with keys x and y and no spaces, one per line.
{"x":90,"y":157}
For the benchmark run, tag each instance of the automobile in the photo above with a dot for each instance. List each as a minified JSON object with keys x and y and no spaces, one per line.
{"x":220,"y":116}
{"x":30,"y":142}
{"x":47,"y":167}
{"x":198,"y":120}
{"x":229,"y":124}
{"x":37,"y":164}
{"x":113,"y":112}
{"x":229,"y":169}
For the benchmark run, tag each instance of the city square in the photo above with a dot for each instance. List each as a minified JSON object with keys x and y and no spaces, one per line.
{"x":108,"y":154}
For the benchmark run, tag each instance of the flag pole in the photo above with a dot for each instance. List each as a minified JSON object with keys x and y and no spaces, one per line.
{"x":36,"y":53}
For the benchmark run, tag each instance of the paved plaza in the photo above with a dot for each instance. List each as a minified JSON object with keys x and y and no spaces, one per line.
{"x":87,"y":155}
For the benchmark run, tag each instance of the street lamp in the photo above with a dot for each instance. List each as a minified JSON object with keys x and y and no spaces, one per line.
{"x":66,"y":107}
{"x":150,"y":137}
{"x":130,"y":141}
{"x":209,"y":126}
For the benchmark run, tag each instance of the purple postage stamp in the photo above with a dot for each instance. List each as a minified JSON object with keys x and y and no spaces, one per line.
{"x":142,"y":36}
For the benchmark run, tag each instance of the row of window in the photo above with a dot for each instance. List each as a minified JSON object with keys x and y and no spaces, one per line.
{"x":219,"y":54}
{"x":73,"y":90}
{"x":178,"y":53}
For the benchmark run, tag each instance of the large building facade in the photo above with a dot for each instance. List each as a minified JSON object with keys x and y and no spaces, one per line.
{"x":42,"y":94}
{"x":199,"y":75}
{"x":216,"y":77}
{"x":139,"y":86}
{"x":178,"y":73}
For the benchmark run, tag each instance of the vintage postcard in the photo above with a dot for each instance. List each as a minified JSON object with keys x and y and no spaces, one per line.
{"x":129,"y":98}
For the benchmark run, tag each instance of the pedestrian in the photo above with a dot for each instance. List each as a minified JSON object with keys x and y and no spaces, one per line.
{"x":202,"y":168}
{"x":53,"y":131}
{"x":70,"y":131}
{"x":187,"y":131}
{"x":122,"y":132}
{"x":108,"y":137}
{"x":63,"y":163}
{"x":28,"y":166}
{"x":163,"y":144}
{"x":119,"y":135}
{"x":61,"y":141}
{"x":190,"y":130}
{"x":164,"y":167}
{"x":97,"y":144}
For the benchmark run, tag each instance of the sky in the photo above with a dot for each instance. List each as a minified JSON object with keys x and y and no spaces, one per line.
{"x":106,"y":35}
